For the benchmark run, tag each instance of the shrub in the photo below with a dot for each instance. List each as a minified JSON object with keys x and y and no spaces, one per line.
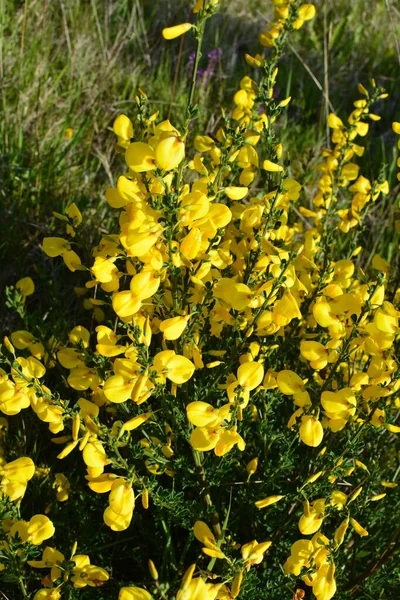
{"x":230,"y":401}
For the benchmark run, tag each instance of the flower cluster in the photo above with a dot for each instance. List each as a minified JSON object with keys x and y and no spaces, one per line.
{"x":220,"y":301}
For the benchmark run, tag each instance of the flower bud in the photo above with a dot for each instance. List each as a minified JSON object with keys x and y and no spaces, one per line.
{"x":152,"y":569}
{"x":170,"y":33}
{"x":251,"y":467}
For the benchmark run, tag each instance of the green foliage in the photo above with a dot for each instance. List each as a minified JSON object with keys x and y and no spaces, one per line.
{"x":69,"y":68}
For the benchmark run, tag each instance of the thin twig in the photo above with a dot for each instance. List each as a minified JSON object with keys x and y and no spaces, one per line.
{"x":326,"y":74}
{"x":313,"y":77}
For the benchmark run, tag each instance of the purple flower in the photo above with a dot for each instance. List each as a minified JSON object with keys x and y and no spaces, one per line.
{"x":214,"y":55}
{"x":204,"y":76}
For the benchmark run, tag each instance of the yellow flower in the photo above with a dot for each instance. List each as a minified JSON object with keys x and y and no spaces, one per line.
{"x":203,"y":533}
{"x":54,"y":246}
{"x":178,"y":369}
{"x":253,"y":552}
{"x":311,"y":431}
{"x":289,"y":383}
{"x":252,"y":466}
{"x":202,"y":414}
{"x":140,"y":157}
{"x":307,"y":12}
{"x":174,"y":327}
{"x":272,"y":167}
{"x":358,"y":528}
{"x":324,"y":586}
{"x":197,"y":589}
{"x":62,"y":486}
{"x":268,"y":501}
{"x":250,"y":375}
{"x":25,"y":286}
{"x":227,"y":440}
{"x":169,"y":152}
{"x":190,"y":245}
{"x":316,"y":353}
{"x":313,"y":516}
{"x":334,"y":122}
{"x":123,"y":128}
{"x":94,"y":455}
{"x":169,"y":33}
{"x":341,"y":531}
{"x":135,"y":422}
{"x":204,"y":439}
{"x":47,"y":594}
{"x":236,"y":193}
{"x":40,"y":528}
{"x":20,"y":470}
{"x":12,"y":400}
{"x":396,"y":127}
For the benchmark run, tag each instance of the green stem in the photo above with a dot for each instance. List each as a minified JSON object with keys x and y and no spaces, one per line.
{"x":253,"y":260}
{"x":22,"y":587}
{"x":200,"y":35}
{"x":206,"y":496}
{"x":195,"y":69}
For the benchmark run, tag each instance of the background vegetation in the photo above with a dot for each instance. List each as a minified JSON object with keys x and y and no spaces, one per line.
{"x":67,"y":68}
